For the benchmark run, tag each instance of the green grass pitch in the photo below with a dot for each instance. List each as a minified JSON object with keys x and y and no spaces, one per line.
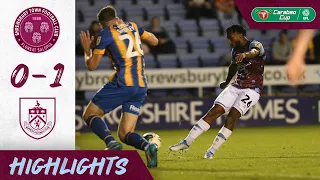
{"x":250,"y":153}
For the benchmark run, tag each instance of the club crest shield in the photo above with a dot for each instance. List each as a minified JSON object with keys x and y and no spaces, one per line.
{"x":37,"y":116}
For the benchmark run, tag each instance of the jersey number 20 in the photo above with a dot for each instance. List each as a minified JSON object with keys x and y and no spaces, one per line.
{"x":130,"y":53}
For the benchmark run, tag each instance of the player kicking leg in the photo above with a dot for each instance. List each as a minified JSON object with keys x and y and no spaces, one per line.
{"x":237,"y":102}
{"x":248,"y":62}
{"x":131,"y":109}
{"x":245,"y":99}
{"x":128,"y":136}
{"x":131,"y":99}
{"x":93,"y":118}
{"x":228,"y":96}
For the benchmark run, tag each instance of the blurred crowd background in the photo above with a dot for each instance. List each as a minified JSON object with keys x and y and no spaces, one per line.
{"x":191,"y":34}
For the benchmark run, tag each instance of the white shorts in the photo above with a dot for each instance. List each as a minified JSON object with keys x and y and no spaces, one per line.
{"x":241,"y":99}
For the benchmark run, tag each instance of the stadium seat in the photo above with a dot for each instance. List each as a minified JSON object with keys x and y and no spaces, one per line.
{"x":181,"y":44}
{"x":211,"y":34}
{"x":134,"y":13}
{"x":200,"y":55}
{"x":120,"y":4}
{"x":220,"y":42}
{"x":226,"y":23}
{"x":105,"y":64}
{"x":176,"y":17}
{"x":253,"y":34}
{"x":245,"y":24}
{"x":80,"y":64}
{"x":144,"y":3}
{"x":210,"y":59}
{"x":272,"y":34}
{"x":189,"y":60}
{"x":170,"y":28}
{"x":210,"y":27}
{"x":82,"y":27}
{"x":167,"y":60}
{"x":188,"y":28}
{"x":176,"y":10}
{"x":154,"y":11}
{"x":150,"y":62}
{"x":266,"y":42}
{"x":199,"y":45}
{"x":221,"y":51}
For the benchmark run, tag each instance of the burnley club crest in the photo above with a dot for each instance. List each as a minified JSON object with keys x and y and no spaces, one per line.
{"x":37,"y":116}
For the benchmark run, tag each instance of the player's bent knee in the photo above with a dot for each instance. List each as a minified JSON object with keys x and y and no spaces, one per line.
{"x":219,"y":109}
{"x":89,"y":113}
{"x":89,"y":119}
{"x":87,"y":116}
{"x":92,"y":110}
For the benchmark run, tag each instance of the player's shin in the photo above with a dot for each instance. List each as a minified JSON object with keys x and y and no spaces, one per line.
{"x":222,"y":136}
{"x":199,"y":128}
{"x":136,"y":140}
{"x":100,"y":128}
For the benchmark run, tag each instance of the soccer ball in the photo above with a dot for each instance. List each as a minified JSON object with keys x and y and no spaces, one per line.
{"x":153,"y":138}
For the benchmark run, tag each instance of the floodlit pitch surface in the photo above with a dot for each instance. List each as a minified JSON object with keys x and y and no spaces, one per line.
{"x":250,"y":153}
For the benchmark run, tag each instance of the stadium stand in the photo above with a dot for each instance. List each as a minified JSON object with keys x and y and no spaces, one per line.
{"x":199,"y":43}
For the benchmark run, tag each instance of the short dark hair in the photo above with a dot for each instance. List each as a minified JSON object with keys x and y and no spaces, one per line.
{"x":106,"y":14}
{"x":285,"y":32}
{"x":236,"y":28}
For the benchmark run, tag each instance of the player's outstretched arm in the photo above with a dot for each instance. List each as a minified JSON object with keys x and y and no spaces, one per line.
{"x":295,"y":66}
{"x":250,"y":54}
{"x":150,"y":39}
{"x":232,"y":71}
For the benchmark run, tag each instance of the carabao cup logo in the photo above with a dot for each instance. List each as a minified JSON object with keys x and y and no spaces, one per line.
{"x":36,"y":29}
{"x":263,"y":14}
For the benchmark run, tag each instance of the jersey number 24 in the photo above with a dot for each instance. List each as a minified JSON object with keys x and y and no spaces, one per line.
{"x":130,"y":51}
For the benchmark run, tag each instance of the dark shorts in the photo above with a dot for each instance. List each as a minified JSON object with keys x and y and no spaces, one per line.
{"x":129,"y":97}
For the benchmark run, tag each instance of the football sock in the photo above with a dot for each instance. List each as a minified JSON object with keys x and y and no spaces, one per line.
{"x":196,"y":131}
{"x":100,"y":128}
{"x":222,"y":136}
{"x":136,"y":140}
